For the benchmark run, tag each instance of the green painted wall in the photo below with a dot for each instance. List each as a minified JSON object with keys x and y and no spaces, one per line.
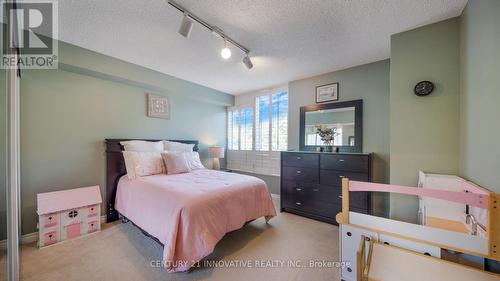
{"x":83,"y":61}
{"x":480,"y":88}
{"x":424,"y":130}
{"x":66,"y":114}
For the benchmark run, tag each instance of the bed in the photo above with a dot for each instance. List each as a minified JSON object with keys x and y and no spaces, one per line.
{"x":187,"y":213}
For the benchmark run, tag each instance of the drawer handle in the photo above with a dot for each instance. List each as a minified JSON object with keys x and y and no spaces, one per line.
{"x":299,"y":158}
{"x":298,"y":203}
{"x":340,"y":196}
{"x":315,"y":189}
{"x":341,"y":160}
{"x":298,"y":189}
{"x":299,"y":172}
{"x":341,"y":177}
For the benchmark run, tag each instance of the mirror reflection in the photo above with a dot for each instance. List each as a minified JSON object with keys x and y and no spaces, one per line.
{"x":330,"y":127}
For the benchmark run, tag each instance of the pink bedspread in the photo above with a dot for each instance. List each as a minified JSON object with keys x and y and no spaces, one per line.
{"x":189,"y":213}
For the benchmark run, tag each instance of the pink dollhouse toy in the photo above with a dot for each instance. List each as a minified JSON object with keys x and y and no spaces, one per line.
{"x":68,"y":214}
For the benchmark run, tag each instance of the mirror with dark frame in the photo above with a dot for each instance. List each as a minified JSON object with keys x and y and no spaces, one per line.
{"x":341,"y":120}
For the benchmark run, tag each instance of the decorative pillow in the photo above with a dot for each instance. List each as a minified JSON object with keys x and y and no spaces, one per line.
{"x":177,"y":146}
{"x":143,"y":146}
{"x":193,"y":160}
{"x":176,"y":162}
{"x":140,"y":164}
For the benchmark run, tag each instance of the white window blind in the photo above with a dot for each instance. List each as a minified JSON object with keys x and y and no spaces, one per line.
{"x":233,"y":130}
{"x":246,"y":129}
{"x":279,"y":128}
{"x":257,"y":134}
{"x":262,"y":115}
{"x":240,"y":128}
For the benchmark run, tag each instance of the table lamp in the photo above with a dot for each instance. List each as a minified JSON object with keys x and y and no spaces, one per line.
{"x":216,"y":152}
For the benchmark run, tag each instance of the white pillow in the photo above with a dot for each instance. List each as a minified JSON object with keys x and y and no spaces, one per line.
{"x":144,"y":146}
{"x":175,"y":162}
{"x":140,"y":164}
{"x":181,"y":162}
{"x":193,"y":160}
{"x":177,"y":146}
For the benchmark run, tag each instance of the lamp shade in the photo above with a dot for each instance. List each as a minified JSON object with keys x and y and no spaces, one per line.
{"x":216,"y":152}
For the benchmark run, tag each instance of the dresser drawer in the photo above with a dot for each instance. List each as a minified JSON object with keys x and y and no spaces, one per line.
{"x":297,"y":190}
{"x":316,"y":207}
{"x":326,"y":193}
{"x":363,"y":210}
{"x":359,"y":200}
{"x":332,"y":177}
{"x":306,"y":160}
{"x":311,"y":192}
{"x":316,"y":194}
{"x":300,"y":174}
{"x":333,"y":194}
{"x":352,"y":163}
{"x":328,"y":210}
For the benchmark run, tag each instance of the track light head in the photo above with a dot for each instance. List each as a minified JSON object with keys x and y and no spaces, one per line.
{"x":247,"y":62}
{"x":186,"y":26}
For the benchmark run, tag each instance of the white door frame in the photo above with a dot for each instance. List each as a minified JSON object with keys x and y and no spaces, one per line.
{"x":13,"y":163}
{"x":13,"y":179}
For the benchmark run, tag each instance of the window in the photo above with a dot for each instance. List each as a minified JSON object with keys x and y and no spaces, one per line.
{"x":279,"y":131}
{"x":257,"y":133}
{"x":246,"y":129}
{"x":271,"y":122}
{"x":262,"y":123}
{"x":240,"y":129}
{"x":233,"y":130}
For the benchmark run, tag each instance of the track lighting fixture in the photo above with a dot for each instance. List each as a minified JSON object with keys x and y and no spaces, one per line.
{"x":247,"y":62}
{"x":187,"y":26}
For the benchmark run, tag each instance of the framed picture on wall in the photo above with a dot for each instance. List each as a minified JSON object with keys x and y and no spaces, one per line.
{"x":327,"y":93}
{"x":158,"y":107}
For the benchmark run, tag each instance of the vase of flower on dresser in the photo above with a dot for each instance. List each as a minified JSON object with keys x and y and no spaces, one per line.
{"x":328,"y":148}
{"x":327,"y":136}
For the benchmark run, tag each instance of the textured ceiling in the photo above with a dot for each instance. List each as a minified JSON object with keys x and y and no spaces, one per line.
{"x":288,"y":39}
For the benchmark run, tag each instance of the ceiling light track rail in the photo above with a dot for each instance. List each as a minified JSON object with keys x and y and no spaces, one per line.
{"x":213,"y":29}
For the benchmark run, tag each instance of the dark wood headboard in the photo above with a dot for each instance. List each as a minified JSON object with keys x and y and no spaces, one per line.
{"x":115,"y":168}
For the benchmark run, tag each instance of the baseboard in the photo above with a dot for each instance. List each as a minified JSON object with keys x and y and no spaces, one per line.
{"x":33,"y":237}
{"x":25,"y":239}
{"x":275,"y":196}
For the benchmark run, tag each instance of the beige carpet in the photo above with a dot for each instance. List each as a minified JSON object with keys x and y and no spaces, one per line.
{"x":122,"y":252}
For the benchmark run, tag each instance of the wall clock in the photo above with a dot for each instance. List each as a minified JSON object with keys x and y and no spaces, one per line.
{"x":423,"y":88}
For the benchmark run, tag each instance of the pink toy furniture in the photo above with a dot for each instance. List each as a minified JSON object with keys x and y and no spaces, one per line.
{"x":68,"y":214}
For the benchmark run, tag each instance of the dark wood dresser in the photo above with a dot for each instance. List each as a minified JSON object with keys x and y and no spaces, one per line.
{"x":311,"y":183}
